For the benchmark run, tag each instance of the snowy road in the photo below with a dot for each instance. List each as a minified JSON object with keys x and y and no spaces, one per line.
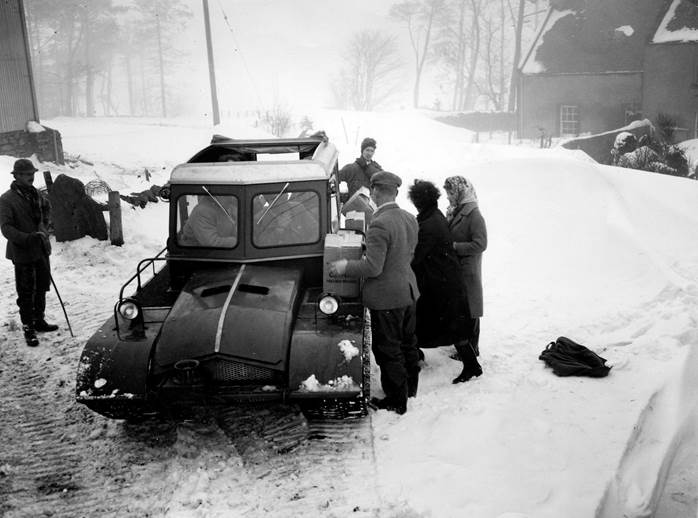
{"x":59,"y":459}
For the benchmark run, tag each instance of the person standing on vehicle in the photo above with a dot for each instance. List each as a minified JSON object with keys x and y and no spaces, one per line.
{"x":469,"y":241}
{"x":443,"y":317}
{"x":390,"y":292}
{"x":24,"y":217}
{"x":358,"y":174}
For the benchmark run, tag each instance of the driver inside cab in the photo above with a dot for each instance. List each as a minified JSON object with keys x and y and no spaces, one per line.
{"x":212,"y":223}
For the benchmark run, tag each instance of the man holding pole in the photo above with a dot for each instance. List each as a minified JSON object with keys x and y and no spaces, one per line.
{"x":24,"y":217}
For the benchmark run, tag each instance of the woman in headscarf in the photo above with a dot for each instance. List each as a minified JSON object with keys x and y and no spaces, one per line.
{"x":442,"y":308}
{"x":469,"y":241}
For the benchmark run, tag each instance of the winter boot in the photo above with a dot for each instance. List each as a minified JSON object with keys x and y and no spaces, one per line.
{"x":41,"y":326}
{"x":30,"y":336}
{"x":471,"y":367}
{"x":388,"y":404}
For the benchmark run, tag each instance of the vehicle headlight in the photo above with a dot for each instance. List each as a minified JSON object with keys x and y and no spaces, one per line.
{"x":328,"y":304}
{"x":129,"y":309}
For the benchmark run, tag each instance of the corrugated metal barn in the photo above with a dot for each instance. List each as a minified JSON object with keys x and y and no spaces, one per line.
{"x":17,"y":96}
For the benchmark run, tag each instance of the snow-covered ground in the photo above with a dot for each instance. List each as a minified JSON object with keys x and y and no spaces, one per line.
{"x":605,"y":256}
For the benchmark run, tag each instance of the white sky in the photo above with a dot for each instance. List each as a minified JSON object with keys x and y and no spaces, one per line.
{"x":606,"y":256}
{"x":280,"y":52}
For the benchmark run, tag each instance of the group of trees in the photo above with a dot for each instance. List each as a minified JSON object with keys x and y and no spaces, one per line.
{"x":474,"y":46}
{"x":88,"y":56}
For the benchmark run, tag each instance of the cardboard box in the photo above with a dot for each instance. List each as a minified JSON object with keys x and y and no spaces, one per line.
{"x":344,"y":245}
{"x":359,"y":202}
{"x":355,"y":220}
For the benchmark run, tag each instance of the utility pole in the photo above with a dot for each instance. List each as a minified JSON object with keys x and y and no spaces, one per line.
{"x":211,"y":68}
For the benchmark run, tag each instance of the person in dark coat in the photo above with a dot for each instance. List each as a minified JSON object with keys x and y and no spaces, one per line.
{"x":390,"y":292}
{"x":442,"y":308}
{"x":358,"y":173}
{"x":469,"y":241}
{"x":24,"y":217}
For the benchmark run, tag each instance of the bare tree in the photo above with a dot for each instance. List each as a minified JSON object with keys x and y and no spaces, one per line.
{"x":459,"y":48}
{"x":368,"y":77}
{"x":517,"y":55}
{"x":418,"y":16}
{"x":479,"y":45}
{"x":493,"y":78}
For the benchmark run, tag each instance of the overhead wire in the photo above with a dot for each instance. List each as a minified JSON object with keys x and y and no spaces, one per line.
{"x":238,"y":49}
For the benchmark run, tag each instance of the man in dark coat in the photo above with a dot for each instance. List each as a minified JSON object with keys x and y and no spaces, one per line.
{"x":358,"y":173}
{"x":24,"y":217}
{"x":390,"y":292}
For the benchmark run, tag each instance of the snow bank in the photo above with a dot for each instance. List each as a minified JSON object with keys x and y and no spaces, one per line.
{"x":606,"y":256}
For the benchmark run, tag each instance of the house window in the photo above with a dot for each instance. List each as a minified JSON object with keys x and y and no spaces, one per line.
{"x":631,"y":112}
{"x":569,"y":120}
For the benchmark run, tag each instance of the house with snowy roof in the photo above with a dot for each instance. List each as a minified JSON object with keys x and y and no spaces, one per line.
{"x":597,"y":65}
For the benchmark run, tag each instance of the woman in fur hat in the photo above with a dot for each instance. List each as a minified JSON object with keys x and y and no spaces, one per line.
{"x":442,"y":308}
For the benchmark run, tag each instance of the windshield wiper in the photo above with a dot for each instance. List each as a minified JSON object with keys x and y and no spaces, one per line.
{"x":272,"y":203}
{"x":219,"y":204}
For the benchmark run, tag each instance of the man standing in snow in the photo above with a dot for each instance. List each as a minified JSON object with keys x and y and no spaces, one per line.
{"x":24,"y":216}
{"x":358,"y":173}
{"x":390,"y":292}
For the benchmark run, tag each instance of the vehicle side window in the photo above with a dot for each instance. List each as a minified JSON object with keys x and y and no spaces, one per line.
{"x":209,"y":221}
{"x":291,"y":219}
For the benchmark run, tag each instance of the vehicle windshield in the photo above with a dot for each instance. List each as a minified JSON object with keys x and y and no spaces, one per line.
{"x":289,"y":219}
{"x":207,"y":220}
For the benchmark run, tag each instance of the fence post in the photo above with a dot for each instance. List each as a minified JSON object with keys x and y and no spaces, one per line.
{"x":116,"y":232}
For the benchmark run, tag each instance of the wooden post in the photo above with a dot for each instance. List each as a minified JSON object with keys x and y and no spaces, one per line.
{"x":116,"y":231}
{"x":48,"y":180}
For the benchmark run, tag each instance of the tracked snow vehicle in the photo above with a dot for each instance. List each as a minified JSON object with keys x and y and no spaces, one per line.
{"x":236,"y":307}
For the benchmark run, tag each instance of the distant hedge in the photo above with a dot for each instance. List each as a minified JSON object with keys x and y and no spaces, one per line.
{"x":482,"y":121}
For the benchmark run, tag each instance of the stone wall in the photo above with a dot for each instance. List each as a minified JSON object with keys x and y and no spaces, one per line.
{"x":599,"y":146}
{"x":47,"y":145}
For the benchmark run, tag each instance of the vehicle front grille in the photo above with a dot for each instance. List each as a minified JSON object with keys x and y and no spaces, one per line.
{"x":226,"y":371}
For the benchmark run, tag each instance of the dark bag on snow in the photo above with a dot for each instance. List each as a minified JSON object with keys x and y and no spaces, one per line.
{"x":568,"y":358}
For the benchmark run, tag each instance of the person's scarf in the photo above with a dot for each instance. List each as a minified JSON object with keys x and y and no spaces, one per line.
{"x":30,"y":194}
{"x":464,"y":193}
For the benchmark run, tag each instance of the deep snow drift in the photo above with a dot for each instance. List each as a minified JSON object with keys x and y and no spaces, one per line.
{"x":605,"y":256}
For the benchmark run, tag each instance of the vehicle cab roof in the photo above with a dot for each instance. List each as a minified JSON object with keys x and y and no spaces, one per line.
{"x":230,"y":161}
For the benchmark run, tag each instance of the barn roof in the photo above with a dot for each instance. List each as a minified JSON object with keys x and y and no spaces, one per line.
{"x":595,"y":36}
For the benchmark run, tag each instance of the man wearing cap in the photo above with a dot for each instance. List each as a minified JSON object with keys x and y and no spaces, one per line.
{"x":24,"y":216}
{"x":358,"y":173}
{"x":390,"y":292}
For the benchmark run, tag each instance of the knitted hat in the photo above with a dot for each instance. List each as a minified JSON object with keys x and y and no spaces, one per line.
{"x":368,"y":142}
{"x":24,"y":165}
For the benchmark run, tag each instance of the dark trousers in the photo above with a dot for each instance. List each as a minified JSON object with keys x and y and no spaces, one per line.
{"x":395,"y":349}
{"x":32,"y":281}
{"x":475,"y":335}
